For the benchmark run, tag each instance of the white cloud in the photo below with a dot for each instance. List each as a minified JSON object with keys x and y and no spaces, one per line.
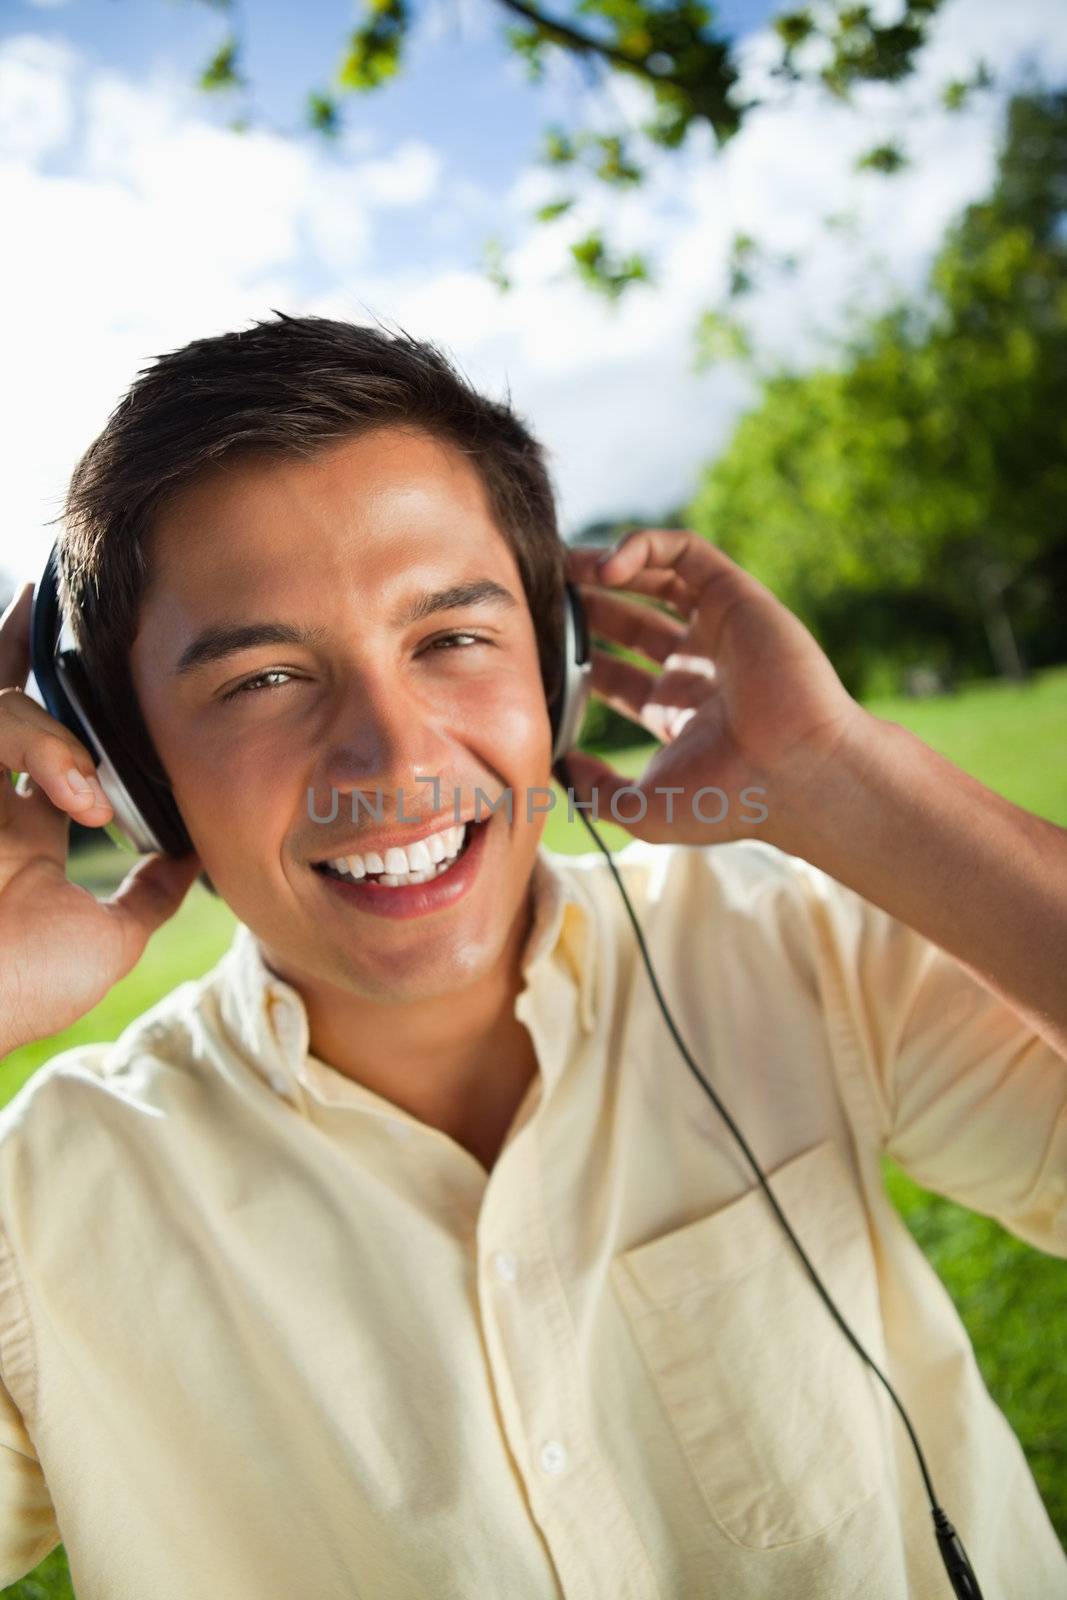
{"x":36,"y":110}
{"x":409,"y":175}
{"x":141,"y":225}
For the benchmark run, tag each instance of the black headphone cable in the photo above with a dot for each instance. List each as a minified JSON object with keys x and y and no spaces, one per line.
{"x":961,"y":1573}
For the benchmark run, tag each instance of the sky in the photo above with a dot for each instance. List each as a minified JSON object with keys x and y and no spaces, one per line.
{"x":135,"y":221}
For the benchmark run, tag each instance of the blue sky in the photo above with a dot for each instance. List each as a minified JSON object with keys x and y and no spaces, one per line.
{"x":140,"y":222}
{"x":462,"y":91}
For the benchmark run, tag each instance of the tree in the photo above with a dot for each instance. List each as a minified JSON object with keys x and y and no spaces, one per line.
{"x":933,"y":461}
{"x":674,"y":48}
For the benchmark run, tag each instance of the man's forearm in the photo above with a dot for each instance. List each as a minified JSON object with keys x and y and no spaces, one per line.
{"x":935,"y":848}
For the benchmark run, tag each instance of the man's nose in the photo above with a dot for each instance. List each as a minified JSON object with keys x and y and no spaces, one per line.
{"x":382,"y":738}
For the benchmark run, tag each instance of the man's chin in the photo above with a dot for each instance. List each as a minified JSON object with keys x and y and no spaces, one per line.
{"x":410,"y":977}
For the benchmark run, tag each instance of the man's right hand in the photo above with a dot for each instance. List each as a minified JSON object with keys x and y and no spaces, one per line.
{"x":61,"y":949}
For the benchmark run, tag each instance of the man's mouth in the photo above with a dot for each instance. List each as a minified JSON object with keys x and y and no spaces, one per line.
{"x":400,"y":866}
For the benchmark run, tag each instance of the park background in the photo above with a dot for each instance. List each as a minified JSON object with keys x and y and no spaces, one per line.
{"x":794,"y":276}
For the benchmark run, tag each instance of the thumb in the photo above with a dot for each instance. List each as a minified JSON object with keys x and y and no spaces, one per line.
{"x":148,"y":895}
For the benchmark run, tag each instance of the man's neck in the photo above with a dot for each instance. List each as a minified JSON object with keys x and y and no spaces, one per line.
{"x":460,"y":1062}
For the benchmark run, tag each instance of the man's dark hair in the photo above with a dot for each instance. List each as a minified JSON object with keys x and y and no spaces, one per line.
{"x":291,"y":387}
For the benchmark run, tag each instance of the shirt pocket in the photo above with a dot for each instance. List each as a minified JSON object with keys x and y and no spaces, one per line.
{"x":782,"y":1422}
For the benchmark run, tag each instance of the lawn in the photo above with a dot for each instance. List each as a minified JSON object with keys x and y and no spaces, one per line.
{"x":1012,"y":1299}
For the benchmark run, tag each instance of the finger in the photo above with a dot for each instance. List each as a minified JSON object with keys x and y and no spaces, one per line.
{"x":585,"y":564}
{"x":15,"y":639}
{"x":664,"y":586}
{"x":34,"y":742}
{"x":582,"y":561}
{"x":621,"y":685}
{"x":666,"y":589}
{"x":35,"y":823}
{"x":701,"y":564}
{"x":627,"y":622}
{"x":148,"y":895}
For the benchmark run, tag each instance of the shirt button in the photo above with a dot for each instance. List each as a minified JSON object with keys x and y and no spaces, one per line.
{"x":279,"y":1084}
{"x":553,"y":1457}
{"x":505,"y":1266}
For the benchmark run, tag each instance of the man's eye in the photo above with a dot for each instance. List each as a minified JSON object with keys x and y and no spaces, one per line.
{"x":450,"y":638}
{"x":255,"y":683}
{"x":259,"y":682}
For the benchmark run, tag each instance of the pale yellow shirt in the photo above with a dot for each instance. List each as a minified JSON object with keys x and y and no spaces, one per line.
{"x":266,"y":1336}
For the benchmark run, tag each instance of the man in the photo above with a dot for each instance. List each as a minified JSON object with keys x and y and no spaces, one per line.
{"x":400,"y":1256}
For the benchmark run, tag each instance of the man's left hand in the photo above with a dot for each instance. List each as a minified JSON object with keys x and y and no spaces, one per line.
{"x":746,"y":700}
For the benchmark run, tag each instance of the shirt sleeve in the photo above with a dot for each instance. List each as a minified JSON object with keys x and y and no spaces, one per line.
{"x":971,"y":1102}
{"x":28,"y":1527}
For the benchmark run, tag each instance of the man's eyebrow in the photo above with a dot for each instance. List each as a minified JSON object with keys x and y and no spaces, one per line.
{"x":477,"y":592}
{"x":227,"y":638}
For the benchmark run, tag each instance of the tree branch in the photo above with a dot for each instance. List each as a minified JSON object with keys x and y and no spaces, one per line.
{"x":567,"y":34}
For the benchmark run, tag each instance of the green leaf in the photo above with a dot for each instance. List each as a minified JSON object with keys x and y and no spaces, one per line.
{"x":554,"y":209}
{"x":609,"y":275}
{"x":793,"y":28}
{"x":743,"y":252}
{"x":374,"y":51}
{"x":559,"y":148}
{"x":493,"y":264}
{"x":221,"y":71}
{"x":528,"y":44}
{"x":954,"y":95}
{"x":719,"y":338}
{"x":884,"y":158}
{"x":614,"y":166}
{"x":323,"y":113}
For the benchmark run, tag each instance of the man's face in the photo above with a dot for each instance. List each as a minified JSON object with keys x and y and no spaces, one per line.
{"x":374,"y":697}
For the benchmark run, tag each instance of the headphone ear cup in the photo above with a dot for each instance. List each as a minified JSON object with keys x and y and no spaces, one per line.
{"x":568,"y":707}
{"x":146,"y":816}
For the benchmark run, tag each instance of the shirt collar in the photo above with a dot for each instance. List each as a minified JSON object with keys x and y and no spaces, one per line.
{"x":266,"y":1016}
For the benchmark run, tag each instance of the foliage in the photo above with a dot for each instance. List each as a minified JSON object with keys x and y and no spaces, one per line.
{"x":221,"y":71}
{"x":933,"y":462}
{"x":676,"y":49}
{"x":374,"y":51}
{"x":608,"y":274}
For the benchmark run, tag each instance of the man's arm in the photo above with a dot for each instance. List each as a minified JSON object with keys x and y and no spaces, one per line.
{"x":748,"y":702}
{"x":917,"y":836}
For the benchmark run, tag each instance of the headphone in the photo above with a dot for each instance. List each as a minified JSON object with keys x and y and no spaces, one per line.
{"x":146,"y":816}
{"x":147,"y":819}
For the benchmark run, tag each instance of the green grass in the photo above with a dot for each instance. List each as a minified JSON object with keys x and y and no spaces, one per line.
{"x":1012,"y":1299}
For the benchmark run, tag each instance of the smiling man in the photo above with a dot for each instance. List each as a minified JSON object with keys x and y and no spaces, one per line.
{"x":402,"y":668}
{"x":399,"y":1256}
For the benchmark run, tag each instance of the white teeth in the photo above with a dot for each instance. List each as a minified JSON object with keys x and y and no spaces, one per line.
{"x":405,"y":863}
{"x":397,"y":880}
{"x":419,"y":857}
